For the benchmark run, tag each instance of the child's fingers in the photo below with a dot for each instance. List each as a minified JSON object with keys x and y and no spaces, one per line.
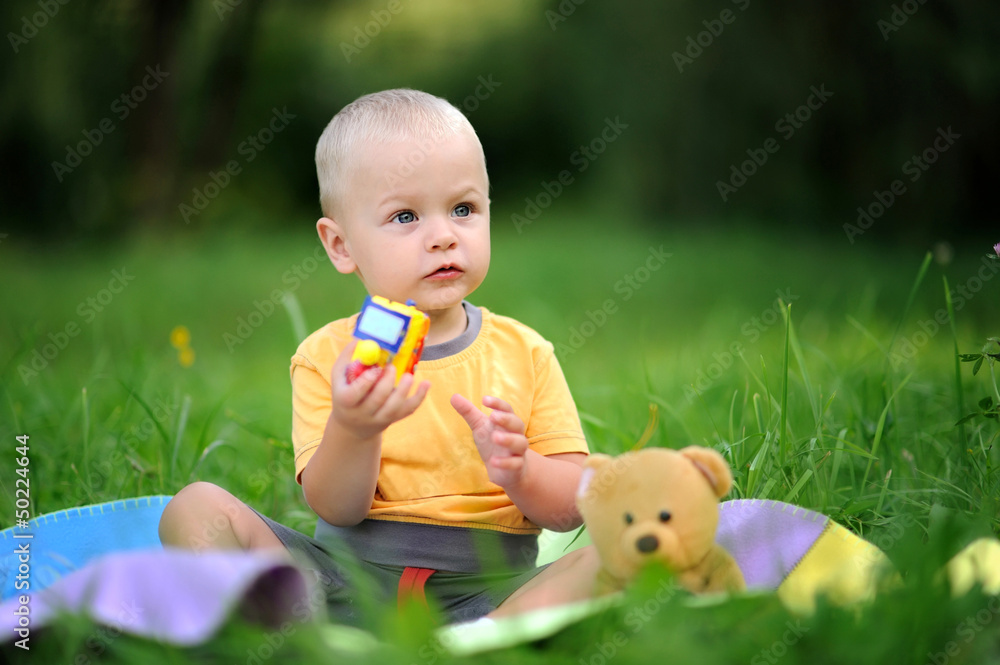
{"x":342,"y":361}
{"x":400,"y":404}
{"x":507,"y":463}
{"x":472,"y":416}
{"x":380,"y":392}
{"x":352,"y":394}
{"x":496,"y":403}
{"x":411,"y":403}
{"x":512,"y":442}
{"x":507,"y":420}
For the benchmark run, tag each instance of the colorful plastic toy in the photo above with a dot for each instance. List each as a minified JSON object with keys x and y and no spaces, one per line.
{"x":388,"y":332}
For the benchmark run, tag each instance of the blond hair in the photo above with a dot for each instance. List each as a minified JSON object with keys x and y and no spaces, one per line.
{"x":382,"y":117}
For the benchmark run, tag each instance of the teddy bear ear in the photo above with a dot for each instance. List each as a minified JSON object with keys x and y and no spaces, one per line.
{"x":713,"y":466}
{"x":591,"y":467}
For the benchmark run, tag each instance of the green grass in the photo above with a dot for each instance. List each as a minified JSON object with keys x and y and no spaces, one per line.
{"x":789,"y":355}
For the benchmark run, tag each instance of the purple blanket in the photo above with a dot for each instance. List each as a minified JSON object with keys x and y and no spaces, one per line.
{"x":168,"y":595}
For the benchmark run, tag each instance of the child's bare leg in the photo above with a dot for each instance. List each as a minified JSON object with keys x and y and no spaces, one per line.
{"x":569,"y":579}
{"x":205,"y":516}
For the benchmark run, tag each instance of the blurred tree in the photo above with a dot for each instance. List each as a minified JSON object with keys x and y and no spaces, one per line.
{"x":152,"y":133}
{"x":702,"y":90}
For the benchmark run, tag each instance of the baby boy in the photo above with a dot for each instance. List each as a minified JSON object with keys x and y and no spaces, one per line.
{"x":417,"y":489}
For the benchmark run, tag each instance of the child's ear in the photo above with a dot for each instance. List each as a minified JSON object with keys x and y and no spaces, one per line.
{"x":335,"y":243}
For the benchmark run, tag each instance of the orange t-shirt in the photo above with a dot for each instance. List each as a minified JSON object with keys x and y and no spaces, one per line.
{"x":431,"y":471}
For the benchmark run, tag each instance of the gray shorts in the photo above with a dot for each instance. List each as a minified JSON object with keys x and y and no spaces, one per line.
{"x":359,"y":568}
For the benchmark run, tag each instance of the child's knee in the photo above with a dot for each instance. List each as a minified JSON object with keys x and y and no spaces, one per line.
{"x":198,"y":515}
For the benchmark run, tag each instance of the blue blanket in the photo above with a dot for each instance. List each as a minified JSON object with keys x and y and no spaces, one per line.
{"x":61,"y":542}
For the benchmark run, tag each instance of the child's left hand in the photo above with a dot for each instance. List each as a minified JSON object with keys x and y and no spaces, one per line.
{"x":499,"y":437}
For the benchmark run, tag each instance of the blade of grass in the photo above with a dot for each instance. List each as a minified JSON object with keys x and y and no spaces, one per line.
{"x":868,"y":334}
{"x":836,"y":459}
{"x":263,"y":433}
{"x":182,"y":419}
{"x":800,"y":359}
{"x":959,"y":395}
{"x":708,"y":412}
{"x":149,"y":411}
{"x":86,"y":428}
{"x":881,"y":496}
{"x":881,"y":427}
{"x":295,"y":315}
{"x":203,"y":435}
{"x":888,"y":377}
{"x":909,"y":303}
{"x":732,"y":409}
{"x":666,"y":406}
{"x":593,"y":421}
{"x":767,"y":390}
{"x":758,"y":414}
{"x":218,"y":443}
{"x":782,"y":438}
{"x":757,"y":464}
{"x":794,"y":492}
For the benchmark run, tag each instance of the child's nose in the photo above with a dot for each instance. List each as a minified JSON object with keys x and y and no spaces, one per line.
{"x":440,"y":233}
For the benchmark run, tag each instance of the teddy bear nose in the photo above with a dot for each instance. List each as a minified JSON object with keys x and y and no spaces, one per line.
{"x":647,"y":544}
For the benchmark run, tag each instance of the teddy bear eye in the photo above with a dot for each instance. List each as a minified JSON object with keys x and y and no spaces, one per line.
{"x":665,"y":516}
{"x":628,"y":518}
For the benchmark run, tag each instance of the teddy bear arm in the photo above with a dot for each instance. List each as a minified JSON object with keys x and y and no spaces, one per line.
{"x":716,"y":572}
{"x":606,"y":583}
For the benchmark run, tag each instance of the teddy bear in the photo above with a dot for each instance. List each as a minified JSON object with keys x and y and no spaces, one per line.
{"x":658,"y":504}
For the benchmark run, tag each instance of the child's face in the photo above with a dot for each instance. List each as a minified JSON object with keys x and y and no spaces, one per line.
{"x":415,"y":232}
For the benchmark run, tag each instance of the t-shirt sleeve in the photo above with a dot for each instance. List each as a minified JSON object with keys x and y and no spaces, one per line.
{"x":311,"y":403}
{"x":554,"y":424}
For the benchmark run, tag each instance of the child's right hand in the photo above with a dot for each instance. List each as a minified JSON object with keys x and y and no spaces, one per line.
{"x":372,"y":401}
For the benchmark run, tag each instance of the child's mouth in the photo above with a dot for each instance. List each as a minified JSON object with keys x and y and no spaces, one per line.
{"x":445,"y":272}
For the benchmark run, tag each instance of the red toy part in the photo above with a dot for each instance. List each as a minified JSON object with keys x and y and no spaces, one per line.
{"x":356,"y":369}
{"x":416,"y":356}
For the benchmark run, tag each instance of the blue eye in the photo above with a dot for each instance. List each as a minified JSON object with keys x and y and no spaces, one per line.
{"x":405,"y":217}
{"x":463,"y":210}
